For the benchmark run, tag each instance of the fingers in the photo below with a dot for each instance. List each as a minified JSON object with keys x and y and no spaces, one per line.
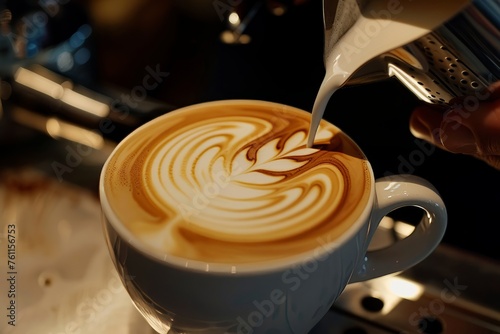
{"x":494,"y":91}
{"x":425,"y":123}
{"x":471,"y":126}
{"x":492,"y":160}
{"x":473,"y":132}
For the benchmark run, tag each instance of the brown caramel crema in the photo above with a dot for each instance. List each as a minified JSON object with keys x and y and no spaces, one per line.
{"x":233,"y":182}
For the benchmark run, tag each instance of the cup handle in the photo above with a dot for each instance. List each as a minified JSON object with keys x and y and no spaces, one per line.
{"x":394,"y":192}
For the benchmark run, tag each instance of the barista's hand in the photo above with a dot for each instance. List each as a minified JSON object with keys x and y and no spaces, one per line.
{"x":471,"y":126}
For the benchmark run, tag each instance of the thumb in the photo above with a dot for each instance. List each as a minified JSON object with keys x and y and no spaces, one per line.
{"x":472,"y":132}
{"x":476,"y":133}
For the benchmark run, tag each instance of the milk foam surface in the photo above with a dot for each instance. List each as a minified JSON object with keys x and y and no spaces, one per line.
{"x":233,"y":182}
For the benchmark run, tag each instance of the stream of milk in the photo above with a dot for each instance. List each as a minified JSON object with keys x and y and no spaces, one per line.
{"x":383,"y":25}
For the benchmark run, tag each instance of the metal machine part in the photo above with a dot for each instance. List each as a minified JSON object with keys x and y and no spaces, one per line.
{"x":47,"y":75}
{"x":67,"y":281}
{"x":450,"y":292}
{"x":460,"y":58}
{"x":452,"y":67}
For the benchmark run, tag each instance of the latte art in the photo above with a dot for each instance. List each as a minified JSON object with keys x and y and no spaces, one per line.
{"x":238,"y":176}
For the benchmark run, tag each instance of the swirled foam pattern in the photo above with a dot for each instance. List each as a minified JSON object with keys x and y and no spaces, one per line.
{"x":233,"y":182}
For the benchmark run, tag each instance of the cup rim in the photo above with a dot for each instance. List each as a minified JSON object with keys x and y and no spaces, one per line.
{"x":224,"y":268}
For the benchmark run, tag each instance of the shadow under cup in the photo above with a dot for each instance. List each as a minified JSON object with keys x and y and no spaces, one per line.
{"x":248,"y":258}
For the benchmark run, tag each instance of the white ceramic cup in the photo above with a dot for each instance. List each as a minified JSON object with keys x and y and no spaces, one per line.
{"x":289,"y":297}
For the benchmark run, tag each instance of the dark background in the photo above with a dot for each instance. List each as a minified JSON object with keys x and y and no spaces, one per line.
{"x":282,"y":63}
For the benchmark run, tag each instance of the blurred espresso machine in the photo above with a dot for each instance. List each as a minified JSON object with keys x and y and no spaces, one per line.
{"x":55,"y":107}
{"x":47,"y":55}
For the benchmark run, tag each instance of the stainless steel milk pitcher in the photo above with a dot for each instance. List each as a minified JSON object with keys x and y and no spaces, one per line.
{"x":459,"y":58}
